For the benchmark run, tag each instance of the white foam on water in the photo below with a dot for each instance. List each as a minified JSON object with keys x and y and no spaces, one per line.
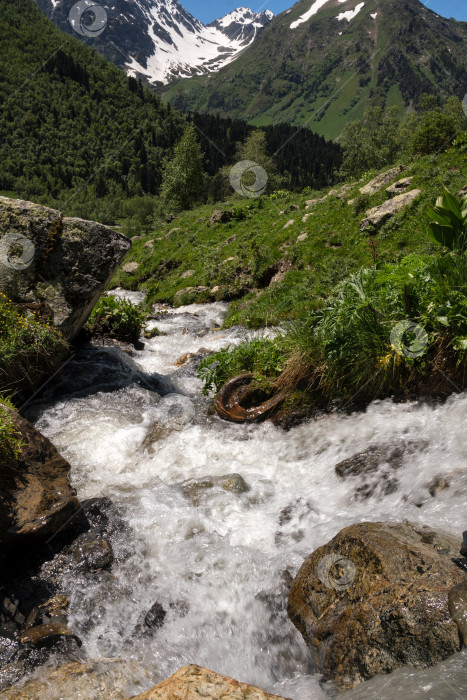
{"x":216,"y":563}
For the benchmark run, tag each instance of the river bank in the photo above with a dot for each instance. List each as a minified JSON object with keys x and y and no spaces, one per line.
{"x":219,"y":561}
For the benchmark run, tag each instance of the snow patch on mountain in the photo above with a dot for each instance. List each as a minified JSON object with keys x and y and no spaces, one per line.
{"x":350,"y":14}
{"x":160,"y":40}
{"x":316,"y":6}
{"x":184,"y":46}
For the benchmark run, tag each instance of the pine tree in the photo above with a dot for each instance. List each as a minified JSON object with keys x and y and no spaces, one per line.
{"x":183,"y":176}
{"x":254,"y":149}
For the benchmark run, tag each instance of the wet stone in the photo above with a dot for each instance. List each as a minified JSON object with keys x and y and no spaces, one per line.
{"x":438,"y":485}
{"x":9,"y":645}
{"x":194,"y":489}
{"x":151,"y":621}
{"x":375,"y":468}
{"x":463,"y":549}
{"x":87,"y":554}
{"x":53,"y":610}
{"x":458,"y":608}
{"x":48,"y":635}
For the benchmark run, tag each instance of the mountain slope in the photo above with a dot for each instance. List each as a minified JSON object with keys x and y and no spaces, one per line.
{"x":78,"y":134}
{"x":158,"y":40}
{"x":73,"y":126}
{"x":320,"y":63}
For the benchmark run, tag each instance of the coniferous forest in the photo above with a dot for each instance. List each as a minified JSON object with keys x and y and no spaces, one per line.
{"x":82,"y":131}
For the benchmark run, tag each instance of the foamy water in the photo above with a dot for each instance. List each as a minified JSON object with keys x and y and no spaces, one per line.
{"x":218,"y":563}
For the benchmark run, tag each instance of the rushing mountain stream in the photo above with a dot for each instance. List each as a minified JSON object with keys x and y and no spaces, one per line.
{"x":216,"y":554}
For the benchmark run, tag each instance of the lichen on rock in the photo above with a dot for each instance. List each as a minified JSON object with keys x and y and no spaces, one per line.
{"x":70,"y":261}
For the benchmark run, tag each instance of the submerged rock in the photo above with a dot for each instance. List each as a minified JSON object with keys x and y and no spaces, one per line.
{"x":193,"y":682}
{"x":376,"y":598}
{"x":375,"y":469}
{"x":195,"y":488}
{"x":65,"y":262}
{"x":151,"y":621}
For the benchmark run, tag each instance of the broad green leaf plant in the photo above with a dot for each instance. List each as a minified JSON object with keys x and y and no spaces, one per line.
{"x":449,"y":221}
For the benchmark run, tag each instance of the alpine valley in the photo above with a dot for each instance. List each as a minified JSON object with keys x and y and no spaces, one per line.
{"x":322,"y":62}
{"x":233,"y":351}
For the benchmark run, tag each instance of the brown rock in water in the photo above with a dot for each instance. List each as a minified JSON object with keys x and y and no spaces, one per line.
{"x":99,"y":681}
{"x":458,"y":607}
{"x":194,"y":489}
{"x":67,"y":262}
{"x":376,"y":598}
{"x":36,"y":500}
{"x":193,"y":682}
{"x":48,"y":635}
{"x":184,"y":359}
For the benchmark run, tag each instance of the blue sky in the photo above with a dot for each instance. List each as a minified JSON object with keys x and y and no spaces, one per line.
{"x":208,"y":10}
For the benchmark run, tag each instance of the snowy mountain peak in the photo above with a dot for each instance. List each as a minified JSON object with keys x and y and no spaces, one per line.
{"x":242,"y":25}
{"x":244,"y":15}
{"x":161,"y":41}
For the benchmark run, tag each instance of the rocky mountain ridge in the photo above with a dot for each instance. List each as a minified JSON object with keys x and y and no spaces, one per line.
{"x":158,"y":40}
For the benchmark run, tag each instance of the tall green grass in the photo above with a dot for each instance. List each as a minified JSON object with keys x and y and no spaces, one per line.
{"x":355,"y":348}
{"x":29,"y":348}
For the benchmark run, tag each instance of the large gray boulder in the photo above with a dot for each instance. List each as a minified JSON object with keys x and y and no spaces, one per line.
{"x":62,"y":262}
{"x":376,"y":597}
{"x":376,"y":217}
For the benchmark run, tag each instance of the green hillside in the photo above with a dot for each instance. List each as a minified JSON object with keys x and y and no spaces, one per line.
{"x":73,"y":126}
{"x":190,"y":260}
{"x":77,"y":134}
{"x":325,"y":72}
